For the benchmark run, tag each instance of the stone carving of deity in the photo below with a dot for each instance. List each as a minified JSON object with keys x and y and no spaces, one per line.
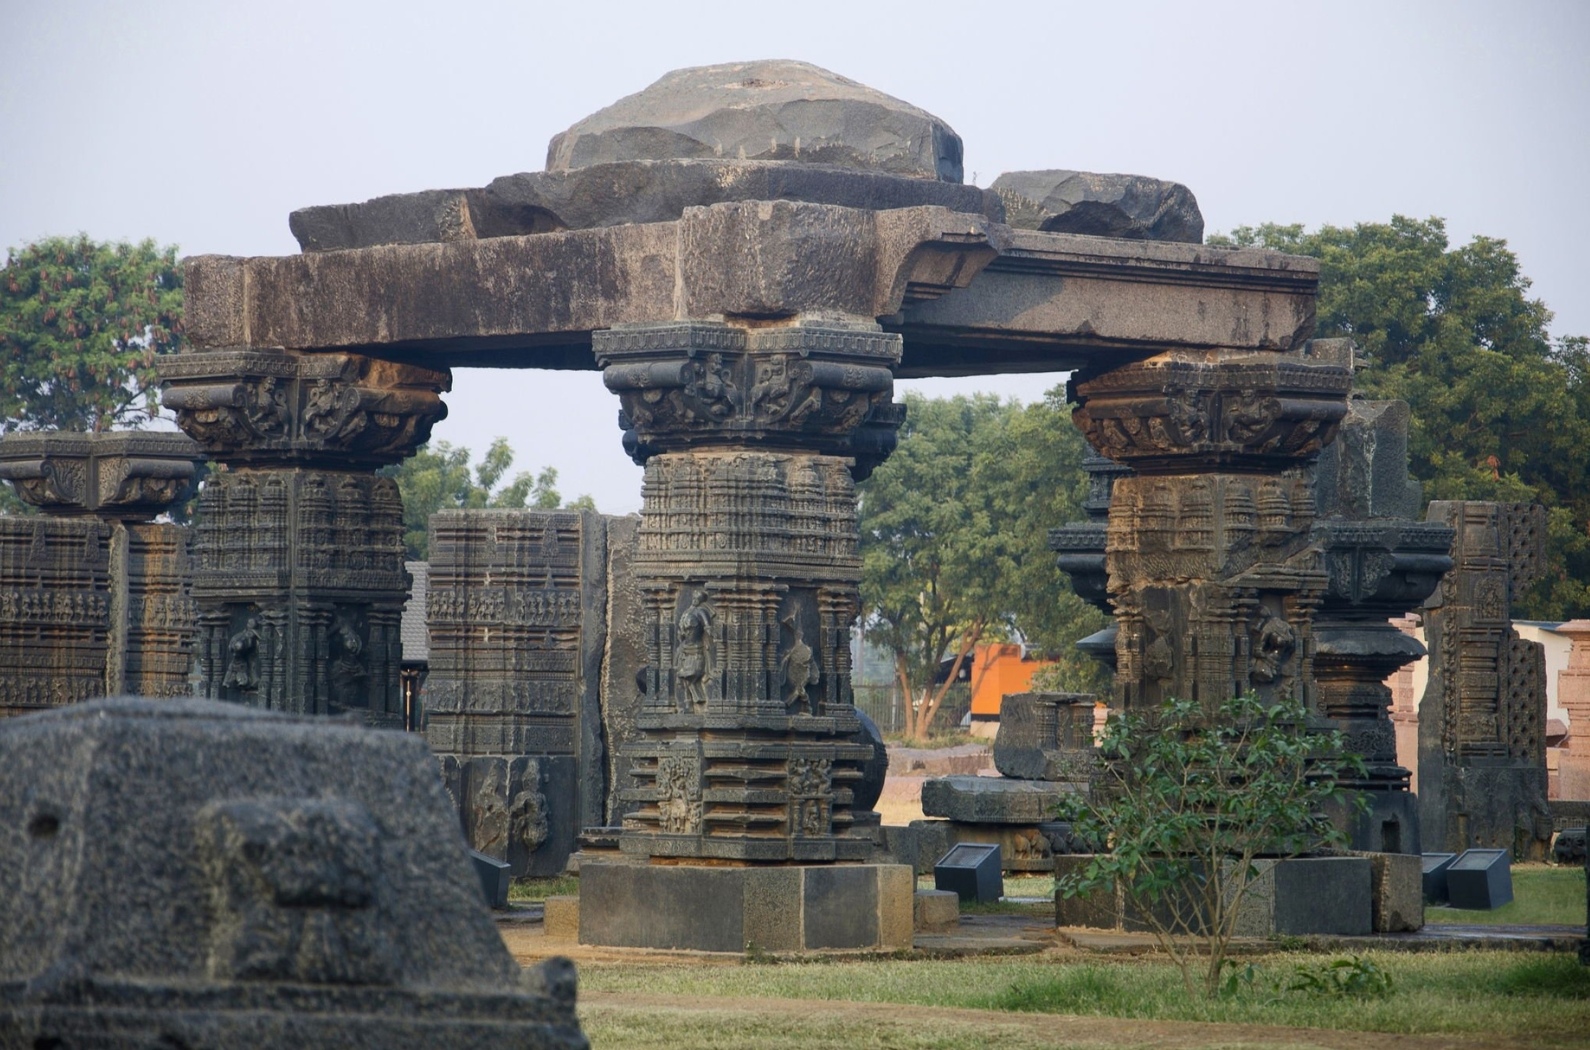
{"x":693,"y":658}
{"x":799,"y":668}
{"x":242,"y":665}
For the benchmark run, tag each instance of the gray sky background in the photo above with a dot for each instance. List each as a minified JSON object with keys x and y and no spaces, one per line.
{"x":204,"y":124}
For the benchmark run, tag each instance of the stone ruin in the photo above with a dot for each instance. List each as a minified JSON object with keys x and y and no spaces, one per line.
{"x":750,"y":254}
{"x":1482,"y":758}
{"x":94,"y":595}
{"x":189,"y":873}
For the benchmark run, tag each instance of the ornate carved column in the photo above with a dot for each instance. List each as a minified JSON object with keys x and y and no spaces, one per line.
{"x":298,"y":572}
{"x":1080,"y":546}
{"x":752,"y":439}
{"x":93,"y":593}
{"x":1210,"y":568}
{"x":1379,"y":563}
{"x":1482,"y":746}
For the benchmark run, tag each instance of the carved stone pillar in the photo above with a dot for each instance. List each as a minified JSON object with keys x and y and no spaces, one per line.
{"x":1482,"y":747}
{"x":1080,"y":547}
{"x":752,"y":439}
{"x":1379,"y":563}
{"x":1210,"y":568}
{"x":93,"y":594}
{"x":298,"y":573}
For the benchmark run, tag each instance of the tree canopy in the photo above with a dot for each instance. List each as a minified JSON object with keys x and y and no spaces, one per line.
{"x":1501,"y":410}
{"x":81,"y":323}
{"x":442,"y":478}
{"x":953,"y":539}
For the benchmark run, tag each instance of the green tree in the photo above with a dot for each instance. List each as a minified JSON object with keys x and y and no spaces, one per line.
{"x":441,"y":478}
{"x":81,"y":324}
{"x":1188,"y":800}
{"x":1501,"y":410}
{"x":953,"y":540}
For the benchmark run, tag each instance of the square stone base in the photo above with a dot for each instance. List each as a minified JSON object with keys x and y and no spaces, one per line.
{"x":740,"y":909}
{"x":1304,"y":895}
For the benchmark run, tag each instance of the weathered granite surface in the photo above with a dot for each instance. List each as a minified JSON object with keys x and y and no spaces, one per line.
{"x":1130,"y":207}
{"x":774,"y":110}
{"x":279,"y":882}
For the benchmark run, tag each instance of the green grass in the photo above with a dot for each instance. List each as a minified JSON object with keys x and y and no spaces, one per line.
{"x":1542,"y":895}
{"x":1474,"y":993}
{"x":541,"y":889}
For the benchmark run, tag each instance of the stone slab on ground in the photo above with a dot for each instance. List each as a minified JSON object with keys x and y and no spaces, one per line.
{"x":738,"y":909}
{"x":993,"y":800}
{"x":280,"y":882}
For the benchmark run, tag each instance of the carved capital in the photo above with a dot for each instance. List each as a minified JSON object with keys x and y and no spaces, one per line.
{"x":806,"y":387}
{"x":286,"y":408}
{"x":130,"y":475}
{"x":1193,"y":411}
{"x":1381,"y":569}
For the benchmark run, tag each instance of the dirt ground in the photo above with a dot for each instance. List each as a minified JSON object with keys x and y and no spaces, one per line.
{"x":809,"y":1023}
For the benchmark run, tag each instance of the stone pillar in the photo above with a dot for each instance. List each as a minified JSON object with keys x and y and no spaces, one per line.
{"x":1573,"y":694}
{"x":298,"y":573}
{"x":1482,"y":750}
{"x":752,"y":439}
{"x":93,"y":594}
{"x":1210,"y":566}
{"x":1379,"y":563}
{"x":517,"y":611}
{"x":1080,"y":547}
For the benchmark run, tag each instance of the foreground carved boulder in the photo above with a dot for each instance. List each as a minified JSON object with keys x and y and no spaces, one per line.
{"x":199,"y":874}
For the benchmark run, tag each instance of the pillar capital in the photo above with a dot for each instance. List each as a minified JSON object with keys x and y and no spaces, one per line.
{"x":1188,"y":411}
{"x":127,"y":475}
{"x":811,"y":386}
{"x":283,"y":408}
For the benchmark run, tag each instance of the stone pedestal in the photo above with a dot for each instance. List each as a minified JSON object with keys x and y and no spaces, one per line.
{"x":1482,"y":749}
{"x":1573,"y":694}
{"x":1210,"y":567}
{"x":747,"y":567}
{"x":298,"y":573}
{"x":93,"y":595}
{"x":788,"y":908}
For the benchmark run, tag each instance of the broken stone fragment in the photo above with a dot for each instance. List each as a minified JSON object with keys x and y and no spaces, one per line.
{"x":633,"y":191}
{"x":1131,"y":207}
{"x":770,"y":110}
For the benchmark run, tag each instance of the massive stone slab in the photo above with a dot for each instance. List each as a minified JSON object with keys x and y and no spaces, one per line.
{"x":279,"y":883}
{"x":970,"y":296}
{"x":636,"y":191}
{"x":993,"y":800}
{"x":774,"y":110}
{"x":1130,"y":207}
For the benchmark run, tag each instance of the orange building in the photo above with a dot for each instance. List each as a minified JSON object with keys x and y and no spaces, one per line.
{"x":999,"y":668}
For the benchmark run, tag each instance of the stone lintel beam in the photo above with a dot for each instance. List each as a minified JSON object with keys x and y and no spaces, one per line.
{"x":969,"y":295}
{"x":1059,"y":301}
{"x":130,"y":475}
{"x":468,"y":301}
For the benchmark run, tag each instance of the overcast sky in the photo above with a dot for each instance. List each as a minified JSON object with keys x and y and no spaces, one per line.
{"x":204,"y":124}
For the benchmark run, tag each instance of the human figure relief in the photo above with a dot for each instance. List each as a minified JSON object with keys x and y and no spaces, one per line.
{"x":242,"y":665}
{"x":693,"y":658}
{"x":799,"y":668}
